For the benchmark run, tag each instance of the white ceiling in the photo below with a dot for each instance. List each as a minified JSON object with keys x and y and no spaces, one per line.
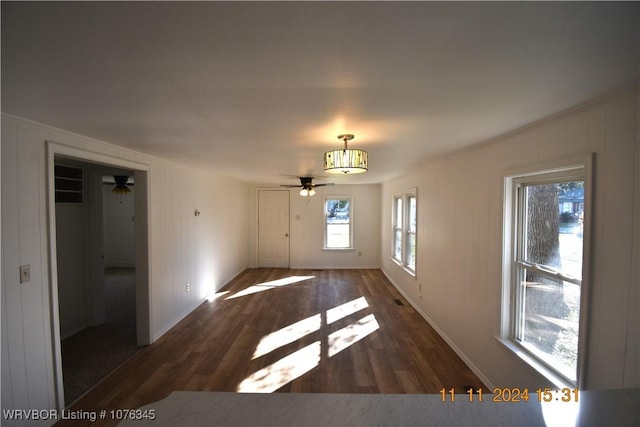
{"x":259,"y":91}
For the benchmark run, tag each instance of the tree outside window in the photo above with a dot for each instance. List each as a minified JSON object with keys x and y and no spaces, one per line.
{"x":549,"y":272}
{"x":338,"y":227}
{"x":545,"y":220}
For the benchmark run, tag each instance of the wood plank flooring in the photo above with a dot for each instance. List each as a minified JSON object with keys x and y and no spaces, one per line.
{"x":318,"y":331}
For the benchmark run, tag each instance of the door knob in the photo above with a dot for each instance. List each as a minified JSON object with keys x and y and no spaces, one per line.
{"x":286,"y":235}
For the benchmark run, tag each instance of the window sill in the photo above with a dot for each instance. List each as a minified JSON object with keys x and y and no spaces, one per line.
{"x":338,"y":249}
{"x":558,"y":381}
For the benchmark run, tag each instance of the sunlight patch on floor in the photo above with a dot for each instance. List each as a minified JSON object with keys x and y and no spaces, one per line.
{"x":349,"y":335}
{"x":217,"y":295}
{"x":287,"y":335}
{"x":282,"y":372}
{"x":287,"y":369}
{"x":261,"y":287}
{"x":344,"y":310}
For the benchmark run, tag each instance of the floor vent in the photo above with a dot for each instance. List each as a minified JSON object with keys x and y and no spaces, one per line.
{"x":398,"y":302}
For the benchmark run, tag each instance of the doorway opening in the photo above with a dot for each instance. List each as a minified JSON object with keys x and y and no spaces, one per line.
{"x":95,"y":234}
{"x":99,"y":266}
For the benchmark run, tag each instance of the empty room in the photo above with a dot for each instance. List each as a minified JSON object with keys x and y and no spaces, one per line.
{"x":320,"y":213}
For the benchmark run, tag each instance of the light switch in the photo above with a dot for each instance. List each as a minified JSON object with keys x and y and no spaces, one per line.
{"x":25,"y":273}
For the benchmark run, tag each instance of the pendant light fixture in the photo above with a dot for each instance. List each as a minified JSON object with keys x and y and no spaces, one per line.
{"x":346,"y":160}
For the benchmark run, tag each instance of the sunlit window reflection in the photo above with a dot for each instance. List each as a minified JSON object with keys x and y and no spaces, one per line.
{"x":559,"y":413}
{"x":347,"y":336}
{"x":342,"y":311}
{"x":285,"y":370}
{"x":261,"y":287}
{"x":287,"y":335}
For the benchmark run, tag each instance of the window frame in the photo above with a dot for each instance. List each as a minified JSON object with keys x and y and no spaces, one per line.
{"x":325,"y":224}
{"x":575,"y":168}
{"x":398,"y":204}
{"x":405,"y":229}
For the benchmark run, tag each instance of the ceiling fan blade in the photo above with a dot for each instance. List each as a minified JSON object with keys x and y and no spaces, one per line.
{"x":306,"y":182}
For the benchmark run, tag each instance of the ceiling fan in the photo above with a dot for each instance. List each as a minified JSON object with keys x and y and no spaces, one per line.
{"x":121,"y":184}
{"x":307,"y":185}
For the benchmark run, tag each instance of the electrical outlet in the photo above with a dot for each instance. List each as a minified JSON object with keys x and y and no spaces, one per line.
{"x":187,"y":287}
{"x":25,"y":273}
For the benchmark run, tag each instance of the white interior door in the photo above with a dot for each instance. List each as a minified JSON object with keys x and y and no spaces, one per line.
{"x":273,"y":228}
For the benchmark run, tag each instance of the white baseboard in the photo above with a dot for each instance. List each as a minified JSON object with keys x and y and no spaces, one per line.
{"x":73,"y":331}
{"x":158,"y":335}
{"x":228,"y":279}
{"x":166,"y":329}
{"x":444,"y":336}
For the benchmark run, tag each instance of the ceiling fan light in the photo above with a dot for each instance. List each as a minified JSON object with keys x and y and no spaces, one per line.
{"x":304,"y":192}
{"x":120,"y":191}
{"x":121,"y":185}
{"x":312,"y":191}
{"x":346,"y":160}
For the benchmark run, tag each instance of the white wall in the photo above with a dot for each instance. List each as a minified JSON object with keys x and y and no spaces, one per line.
{"x":78,"y":229}
{"x":118,"y":227}
{"x":460,"y":241}
{"x":205,"y":251}
{"x":306,"y":229}
{"x":72,"y":243}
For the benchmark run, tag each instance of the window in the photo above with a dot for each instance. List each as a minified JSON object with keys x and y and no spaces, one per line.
{"x":543,"y":283}
{"x":404,"y":230}
{"x":338,"y":228}
{"x":397,"y":228}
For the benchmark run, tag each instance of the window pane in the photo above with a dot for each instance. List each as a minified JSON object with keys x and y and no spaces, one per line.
{"x":397,"y":246}
{"x":338,"y":217}
{"x":338,"y":236}
{"x":412,"y":214}
{"x":411,"y":251}
{"x":554,"y":214}
{"x":548,"y":316}
{"x":398,"y":213}
{"x":549,"y":326}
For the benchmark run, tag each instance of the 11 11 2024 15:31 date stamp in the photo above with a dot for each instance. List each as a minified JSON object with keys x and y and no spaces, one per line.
{"x":513,"y":394}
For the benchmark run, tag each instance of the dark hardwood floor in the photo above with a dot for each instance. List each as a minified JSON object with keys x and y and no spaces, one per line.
{"x":318,"y":331}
